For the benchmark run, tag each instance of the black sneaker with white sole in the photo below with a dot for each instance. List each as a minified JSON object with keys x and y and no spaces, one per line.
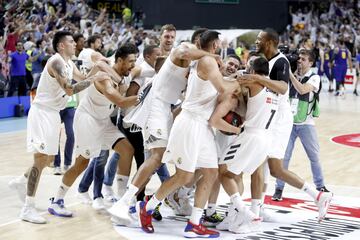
{"x":277,"y":195}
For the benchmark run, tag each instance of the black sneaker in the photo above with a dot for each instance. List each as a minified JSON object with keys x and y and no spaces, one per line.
{"x":337,"y":93}
{"x":322,"y":189}
{"x":213,"y":220}
{"x":277,"y":195}
{"x":356,"y":93}
{"x":156,"y":214}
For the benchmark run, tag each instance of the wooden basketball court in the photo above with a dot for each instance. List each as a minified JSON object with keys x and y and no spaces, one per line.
{"x":340,"y":163}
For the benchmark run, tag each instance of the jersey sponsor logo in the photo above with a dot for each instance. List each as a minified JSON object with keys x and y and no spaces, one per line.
{"x":352,"y":140}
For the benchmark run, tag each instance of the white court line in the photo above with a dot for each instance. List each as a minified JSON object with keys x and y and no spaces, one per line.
{"x":42,"y":213}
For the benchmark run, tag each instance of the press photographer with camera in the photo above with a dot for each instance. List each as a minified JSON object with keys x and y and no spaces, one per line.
{"x":304,"y":97}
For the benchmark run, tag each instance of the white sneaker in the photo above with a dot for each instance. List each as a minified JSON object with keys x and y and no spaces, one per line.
{"x":107,"y":191}
{"x":266,"y":216}
{"x":121,"y":210}
{"x":29,"y":214}
{"x":58,"y":209}
{"x":134,"y":219}
{"x":181,"y":206}
{"x":245,"y":223}
{"x":323,"y":202}
{"x":19,"y":185}
{"x":84,"y":198}
{"x":66,"y":167}
{"x":229,"y":218}
{"x":57,"y":171}
{"x":109,"y":201}
{"x":98,"y":204}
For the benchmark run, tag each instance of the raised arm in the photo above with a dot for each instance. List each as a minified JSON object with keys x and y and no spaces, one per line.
{"x":208,"y":70}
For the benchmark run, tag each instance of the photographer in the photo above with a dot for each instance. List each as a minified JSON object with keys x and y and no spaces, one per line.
{"x":304,"y":102}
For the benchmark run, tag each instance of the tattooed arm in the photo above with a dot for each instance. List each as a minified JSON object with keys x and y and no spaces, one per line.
{"x":57,"y":70}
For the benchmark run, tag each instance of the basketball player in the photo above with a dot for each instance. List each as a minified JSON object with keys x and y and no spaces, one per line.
{"x":94,"y":113}
{"x":166,"y":89}
{"x":266,"y":43}
{"x":44,"y":119}
{"x":241,"y":155}
{"x":191,"y":141}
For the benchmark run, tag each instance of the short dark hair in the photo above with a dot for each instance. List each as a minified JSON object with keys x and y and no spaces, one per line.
{"x":308,"y":53}
{"x":159,"y":62}
{"x":197,"y":33}
{"x":208,"y":37}
{"x":58,"y":37}
{"x":167,"y":27}
{"x":93,"y":38}
{"x":272,"y":35}
{"x":234,"y":56}
{"x":149,"y":50}
{"x":38,"y":43}
{"x":124,"y":50}
{"x":253,"y":54}
{"x":77,"y":36}
{"x":261,"y":66}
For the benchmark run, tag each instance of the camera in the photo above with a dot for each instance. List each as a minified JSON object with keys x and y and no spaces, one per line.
{"x":292,"y":56}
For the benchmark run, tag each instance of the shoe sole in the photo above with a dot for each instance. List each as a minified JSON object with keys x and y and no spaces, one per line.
{"x":194,"y":235}
{"x":276,"y":199}
{"x":53,"y":212}
{"x":30,"y":221}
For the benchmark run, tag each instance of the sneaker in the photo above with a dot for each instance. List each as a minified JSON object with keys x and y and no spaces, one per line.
{"x":229,"y":218}
{"x":337,"y":93}
{"x":98,"y":204}
{"x":121,"y":210}
{"x":66,"y":167}
{"x":323,"y":202}
{"x":245,"y":222}
{"x":29,"y":214}
{"x":156,"y":214}
{"x":57,"y":171}
{"x":266,"y":216}
{"x":145,"y":217}
{"x":109,"y":201}
{"x":84,"y":198}
{"x":108,"y":191}
{"x":19,"y":185}
{"x":213,"y":220}
{"x":199,"y":231}
{"x":277,"y":195}
{"x":58,"y":209}
{"x":355,"y":93}
{"x":134,"y":219}
{"x":322,"y":189}
{"x":181,"y":206}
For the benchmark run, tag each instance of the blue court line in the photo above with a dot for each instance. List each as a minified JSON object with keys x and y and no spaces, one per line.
{"x":12,"y":124}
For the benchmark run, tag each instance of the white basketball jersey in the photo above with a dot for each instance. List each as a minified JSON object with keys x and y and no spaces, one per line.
{"x":170,"y":82}
{"x":85,"y":57}
{"x":284,"y":104}
{"x":49,"y":93}
{"x":261,"y":110}
{"x":96,"y":104}
{"x":200,"y":95}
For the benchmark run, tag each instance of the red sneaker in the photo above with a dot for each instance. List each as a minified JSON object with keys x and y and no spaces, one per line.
{"x":199,"y":231}
{"x":145,"y":217}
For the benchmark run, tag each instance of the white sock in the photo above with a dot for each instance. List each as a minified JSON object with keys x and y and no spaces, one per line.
{"x":263,"y":194}
{"x":211,"y":209}
{"x":196,"y":215}
{"x":61,"y":192}
{"x":310,"y":190}
{"x":152,"y":203}
{"x":130,"y":192}
{"x":237,"y":201}
{"x":29,"y":201}
{"x":255,"y":206}
{"x":121,"y":184}
{"x":183,"y":192}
